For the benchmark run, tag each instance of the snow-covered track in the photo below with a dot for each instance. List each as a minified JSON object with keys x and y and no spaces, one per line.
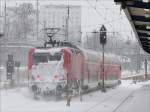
{"x":122,"y":102}
{"x":106,"y":103}
{"x":102,"y":101}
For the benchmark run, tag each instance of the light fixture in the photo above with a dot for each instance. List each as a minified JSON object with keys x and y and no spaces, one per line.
{"x":147,"y":10}
{"x":148,"y":27}
{"x":147,"y":15}
{"x":146,"y":1}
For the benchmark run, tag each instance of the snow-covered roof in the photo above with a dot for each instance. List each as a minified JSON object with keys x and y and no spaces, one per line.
{"x":48,"y":50}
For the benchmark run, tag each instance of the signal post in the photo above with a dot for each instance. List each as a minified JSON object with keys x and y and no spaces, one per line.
{"x":103,"y":40}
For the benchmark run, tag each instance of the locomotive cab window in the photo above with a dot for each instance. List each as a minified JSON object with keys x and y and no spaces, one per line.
{"x":40,"y":58}
{"x":55,"y":57}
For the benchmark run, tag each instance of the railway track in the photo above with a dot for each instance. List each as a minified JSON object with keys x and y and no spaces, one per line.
{"x":102,"y":101}
{"x":115,"y":108}
{"x":122,"y":102}
{"x":90,"y":90}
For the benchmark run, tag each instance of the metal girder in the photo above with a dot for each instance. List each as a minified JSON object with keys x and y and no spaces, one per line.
{"x":147,"y":50}
{"x":140,"y":18}
{"x":141,"y":23}
{"x":138,"y":14}
{"x":143,"y":34}
{"x":144,"y":39}
{"x":139,"y":4}
{"x":142,"y":27}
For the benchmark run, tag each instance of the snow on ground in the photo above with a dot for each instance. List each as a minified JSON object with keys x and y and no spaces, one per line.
{"x":22,"y":71}
{"x":139,"y":101}
{"x":21,"y":100}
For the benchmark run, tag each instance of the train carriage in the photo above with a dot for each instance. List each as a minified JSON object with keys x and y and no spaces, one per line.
{"x":50,"y":68}
{"x":93,"y":73}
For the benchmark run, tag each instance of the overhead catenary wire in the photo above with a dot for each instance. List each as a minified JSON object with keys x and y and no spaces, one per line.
{"x":105,"y":22}
{"x":95,"y":9}
{"x":109,"y":22}
{"x":102,"y":5}
{"x":102,"y":16}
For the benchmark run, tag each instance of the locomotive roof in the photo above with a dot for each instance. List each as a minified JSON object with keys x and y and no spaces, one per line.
{"x":46,"y":50}
{"x":51,"y":50}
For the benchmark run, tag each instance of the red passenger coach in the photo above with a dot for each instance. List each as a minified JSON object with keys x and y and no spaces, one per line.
{"x":51,"y":67}
{"x":93,"y":73}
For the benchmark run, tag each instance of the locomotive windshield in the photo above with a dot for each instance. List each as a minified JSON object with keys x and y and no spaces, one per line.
{"x":55,"y":56}
{"x":40,"y":58}
{"x":45,"y":57}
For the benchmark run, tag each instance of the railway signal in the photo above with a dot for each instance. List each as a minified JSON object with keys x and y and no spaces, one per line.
{"x":103,"y":41}
{"x":103,"y":35}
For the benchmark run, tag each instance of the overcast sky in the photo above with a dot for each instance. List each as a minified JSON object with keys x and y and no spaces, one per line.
{"x":94,"y":14}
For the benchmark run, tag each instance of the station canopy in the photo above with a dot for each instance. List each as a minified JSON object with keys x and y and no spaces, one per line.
{"x":138,"y":14}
